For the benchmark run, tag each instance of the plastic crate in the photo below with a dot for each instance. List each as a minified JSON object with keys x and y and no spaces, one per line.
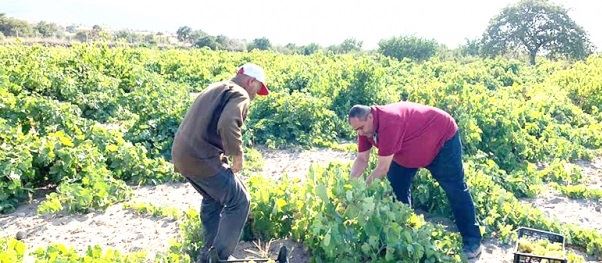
{"x":536,"y":234}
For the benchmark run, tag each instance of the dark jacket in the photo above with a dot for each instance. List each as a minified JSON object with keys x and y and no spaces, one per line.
{"x":210,"y":130}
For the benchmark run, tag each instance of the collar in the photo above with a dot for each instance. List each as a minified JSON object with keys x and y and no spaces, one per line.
{"x":238,"y":86}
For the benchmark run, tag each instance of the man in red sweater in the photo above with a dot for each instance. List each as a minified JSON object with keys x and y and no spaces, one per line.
{"x":411,"y":136}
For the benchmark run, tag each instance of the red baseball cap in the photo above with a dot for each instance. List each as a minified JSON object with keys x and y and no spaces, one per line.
{"x":256,"y":72}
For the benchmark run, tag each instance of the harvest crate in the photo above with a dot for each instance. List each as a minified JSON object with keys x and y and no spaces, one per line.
{"x":524,"y":232}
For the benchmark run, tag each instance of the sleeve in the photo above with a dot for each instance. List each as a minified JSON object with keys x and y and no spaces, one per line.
{"x":390,"y":140}
{"x":363,"y":144}
{"x":230,"y":124}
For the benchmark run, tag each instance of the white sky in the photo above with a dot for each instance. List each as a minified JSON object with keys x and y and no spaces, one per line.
{"x":322,"y":21}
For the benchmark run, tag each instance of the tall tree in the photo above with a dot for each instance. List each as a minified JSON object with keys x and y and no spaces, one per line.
{"x":83,"y":35}
{"x":310,"y":48}
{"x":535,"y":26}
{"x":289,"y":48}
{"x":14,"y":27}
{"x":72,"y":28}
{"x":98,"y":33}
{"x":350,"y":45}
{"x":229,"y":43}
{"x":183,"y":33}
{"x":471,"y":47}
{"x":207,"y":41}
{"x":260,"y":43}
{"x":47,"y":29}
{"x":128,"y":36}
{"x":195,"y":35}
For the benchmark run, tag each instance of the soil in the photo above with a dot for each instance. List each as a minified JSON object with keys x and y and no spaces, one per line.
{"x":121,"y":228}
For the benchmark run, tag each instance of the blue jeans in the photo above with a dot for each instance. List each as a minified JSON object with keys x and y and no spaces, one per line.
{"x":447,"y":169}
{"x":224,"y":210}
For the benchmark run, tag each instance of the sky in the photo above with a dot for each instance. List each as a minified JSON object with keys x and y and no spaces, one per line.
{"x":301,"y":22}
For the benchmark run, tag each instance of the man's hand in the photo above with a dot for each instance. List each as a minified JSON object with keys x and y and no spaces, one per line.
{"x":360,"y":164}
{"x":237,"y":161}
{"x":374,"y":176}
{"x":369,"y":179}
{"x":382,"y":167}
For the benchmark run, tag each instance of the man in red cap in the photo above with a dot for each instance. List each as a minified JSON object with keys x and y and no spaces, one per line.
{"x":210,"y":131}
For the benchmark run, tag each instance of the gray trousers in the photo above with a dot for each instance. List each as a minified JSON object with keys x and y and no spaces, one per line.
{"x":224,"y":210}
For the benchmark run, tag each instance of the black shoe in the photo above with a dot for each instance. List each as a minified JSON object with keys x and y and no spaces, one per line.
{"x":212,"y":256}
{"x":203,"y":256}
{"x":472,"y":251}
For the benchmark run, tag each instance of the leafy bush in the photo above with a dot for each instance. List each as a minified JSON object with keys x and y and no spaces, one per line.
{"x":408,"y":47}
{"x":296,"y":118}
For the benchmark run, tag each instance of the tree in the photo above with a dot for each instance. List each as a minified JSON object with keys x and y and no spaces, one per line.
{"x":14,"y":27}
{"x":347,"y":46}
{"x":291,"y":48}
{"x":207,"y":41}
{"x":128,"y":36}
{"x":535,"y":26}
{"x":229,"y":43}
{"x":98,"y":33}
{"x":72,"y":28}
{"x":195,"y":35}
{"x":183,"y":33}
{"x":47,"y":29}
{"x":471,"y":47}
{"x":408,"y":47}
{"x":151,"y":40}
{"x":82,"y":35}
{"x":310,"y":49}
{"x":260,"y":43}
{"x":351,"y":45}
{"x":96,"y":28}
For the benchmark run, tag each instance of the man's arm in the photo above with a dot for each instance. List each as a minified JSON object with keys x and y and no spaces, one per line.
{"x":382,"y":167}
{"x":237,"y":161}
{"x":360,"y":163}
{"x":229,"y":127}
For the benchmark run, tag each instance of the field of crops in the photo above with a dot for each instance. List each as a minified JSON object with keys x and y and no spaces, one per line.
{"x":81,"y":125}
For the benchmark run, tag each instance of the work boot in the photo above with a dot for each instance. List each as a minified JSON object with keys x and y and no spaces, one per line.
{"x":472,"y":251}
{"x":213,"y":257}
{"x":203,"y":256}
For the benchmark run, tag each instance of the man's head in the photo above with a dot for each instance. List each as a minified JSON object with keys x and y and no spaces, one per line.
{"x":252,"y":78}
{"x":361,"y":120}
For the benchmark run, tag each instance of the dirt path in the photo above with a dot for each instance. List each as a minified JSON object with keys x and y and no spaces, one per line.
{"x":493,"y":249}
{"x":296,"y":162}
{"x":592,"y":172}
{"x":116,"y":227}
{"x":121,"y":228}
{"x":586,"y":213}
